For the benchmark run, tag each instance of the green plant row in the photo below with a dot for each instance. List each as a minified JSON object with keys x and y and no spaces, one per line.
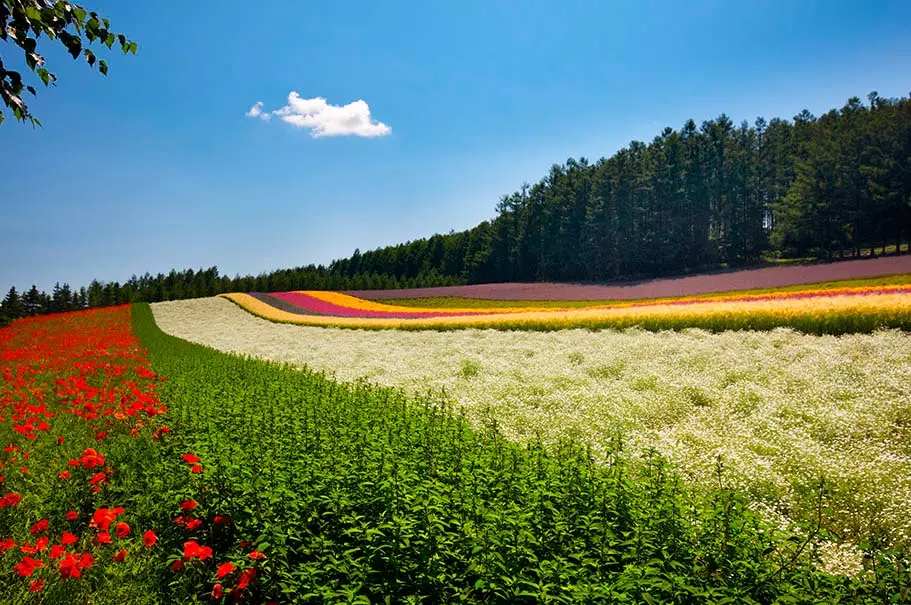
{"x":359,"y":494}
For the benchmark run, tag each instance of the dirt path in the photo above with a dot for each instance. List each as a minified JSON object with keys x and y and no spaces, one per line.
{"x":767,"y":277}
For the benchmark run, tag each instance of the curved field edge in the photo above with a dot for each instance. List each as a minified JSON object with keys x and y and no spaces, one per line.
{"x":445,"y":302}
{"x":363,"y":494}
{"x":827,"y":315}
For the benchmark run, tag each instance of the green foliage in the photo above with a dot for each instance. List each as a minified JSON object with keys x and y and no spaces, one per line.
{"x":359,"y":494}
{"x":23,"y":22}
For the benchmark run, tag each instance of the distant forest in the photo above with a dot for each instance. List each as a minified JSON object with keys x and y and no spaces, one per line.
{"x":702,"y":197}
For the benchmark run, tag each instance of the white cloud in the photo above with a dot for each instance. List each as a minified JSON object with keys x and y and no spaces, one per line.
{"x":257,"y":112}
{"x":325,"y":120}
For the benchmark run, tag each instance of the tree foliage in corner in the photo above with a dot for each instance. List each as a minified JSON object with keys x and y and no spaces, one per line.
{"x":23,"y":22}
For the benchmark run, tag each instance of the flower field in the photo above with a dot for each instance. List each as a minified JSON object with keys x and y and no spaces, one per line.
{"x":827,"y":310}
{"x":144,"y":468}
{"x":96,"y":504}
{"x":781,"y":408}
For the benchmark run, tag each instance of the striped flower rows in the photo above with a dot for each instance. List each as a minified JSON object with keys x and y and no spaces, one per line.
{"x":840,"y":310}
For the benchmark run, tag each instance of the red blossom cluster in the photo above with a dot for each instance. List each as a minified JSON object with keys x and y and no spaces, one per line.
{"x":89,"y":366}
{"x":85,"y":365}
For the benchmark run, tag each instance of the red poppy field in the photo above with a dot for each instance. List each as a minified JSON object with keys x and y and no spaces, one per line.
{"x":79,"y":412}
{"x":138,"y":467}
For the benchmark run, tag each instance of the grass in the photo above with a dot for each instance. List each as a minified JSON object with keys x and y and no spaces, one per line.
{"x":444,"y":302}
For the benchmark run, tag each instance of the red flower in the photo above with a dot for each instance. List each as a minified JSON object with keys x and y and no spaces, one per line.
{"x":7,"y":544}
{"x":103,"y":517}
{"x":188,"y":504}
{"x":246,"y":576}
{"x":104,"y":538}
{"x":221,"y":520}
{"x":39,"y":526}
{"x":122,"y":530}
{"x":188,"y":522}
{"x":196,"y":469}
{"x":72,"y":515}
{"x":91,"y":458}
{"x":64,"y":475}
{"x":217,"y":591}
{"x":60,"y":440}
{"x":28,"y":549}
{"x":256,"y":555}
{"x":224,"y":569}
{"x":177,"y":565}
{"x":56,"y":551}
{"x":193,"y":550}
{"x":68,"y":538}
{"x":27,"y":566}
{"x":42,"y":542}
{"x":120,"y":556}
{"x":191,"y":459}
{"x":149,"y":538}
{"x":11,"y":500}
{"x":98,"y":478}
{"x":36,"y":586}
{"x":71,"y":565}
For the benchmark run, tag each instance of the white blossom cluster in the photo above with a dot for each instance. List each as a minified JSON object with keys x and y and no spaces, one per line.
{"x":781,"y":410}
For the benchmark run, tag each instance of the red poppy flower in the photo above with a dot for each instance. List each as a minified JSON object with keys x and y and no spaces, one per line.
{"x":60,"y":440}
{"x":41,"y":543}
{"x":224,"y":569}
{"x":28,"y":549}
{"x":221,"y":520}
{"x":104,"y":537}
{"x":149,"y":538}
{"x":27,"y":566}
{"x":191,"y":459}
{"x":120,"y":556}
{"x":196,"y":469}
{"x":38,"y":527}
{"x":71,"y":565}
{"x":122,"y":530}
{"x":64,"y":475}
{"x":91,"y":458}
{"x":256,"y":555}
{"x":103,"y":517}
{"x":7,"y":544}
{"x":56,"y":551}
{"x":36,"y":586}
{"x":72,"y":515}
{"x":11,"y":500}
{"x":217,"y":591}
{"x":177,"y":565}
{"x":246,"y":576}
{"x":188,"y":504}
{"x":193,"y":550}
{"x":68,"y":538}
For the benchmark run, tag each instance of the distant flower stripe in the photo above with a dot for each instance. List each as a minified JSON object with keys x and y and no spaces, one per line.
{"x":820,"y":311}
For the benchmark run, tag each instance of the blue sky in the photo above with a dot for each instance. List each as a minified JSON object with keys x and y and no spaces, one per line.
{"x":157,"y":166}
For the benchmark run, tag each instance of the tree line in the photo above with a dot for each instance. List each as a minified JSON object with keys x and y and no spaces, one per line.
{"x":701,"y":197}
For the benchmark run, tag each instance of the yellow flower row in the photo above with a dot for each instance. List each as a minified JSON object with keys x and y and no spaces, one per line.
{"x":832,"y":315}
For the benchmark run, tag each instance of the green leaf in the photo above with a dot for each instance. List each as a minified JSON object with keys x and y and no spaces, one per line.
{"x":103,"y":67}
